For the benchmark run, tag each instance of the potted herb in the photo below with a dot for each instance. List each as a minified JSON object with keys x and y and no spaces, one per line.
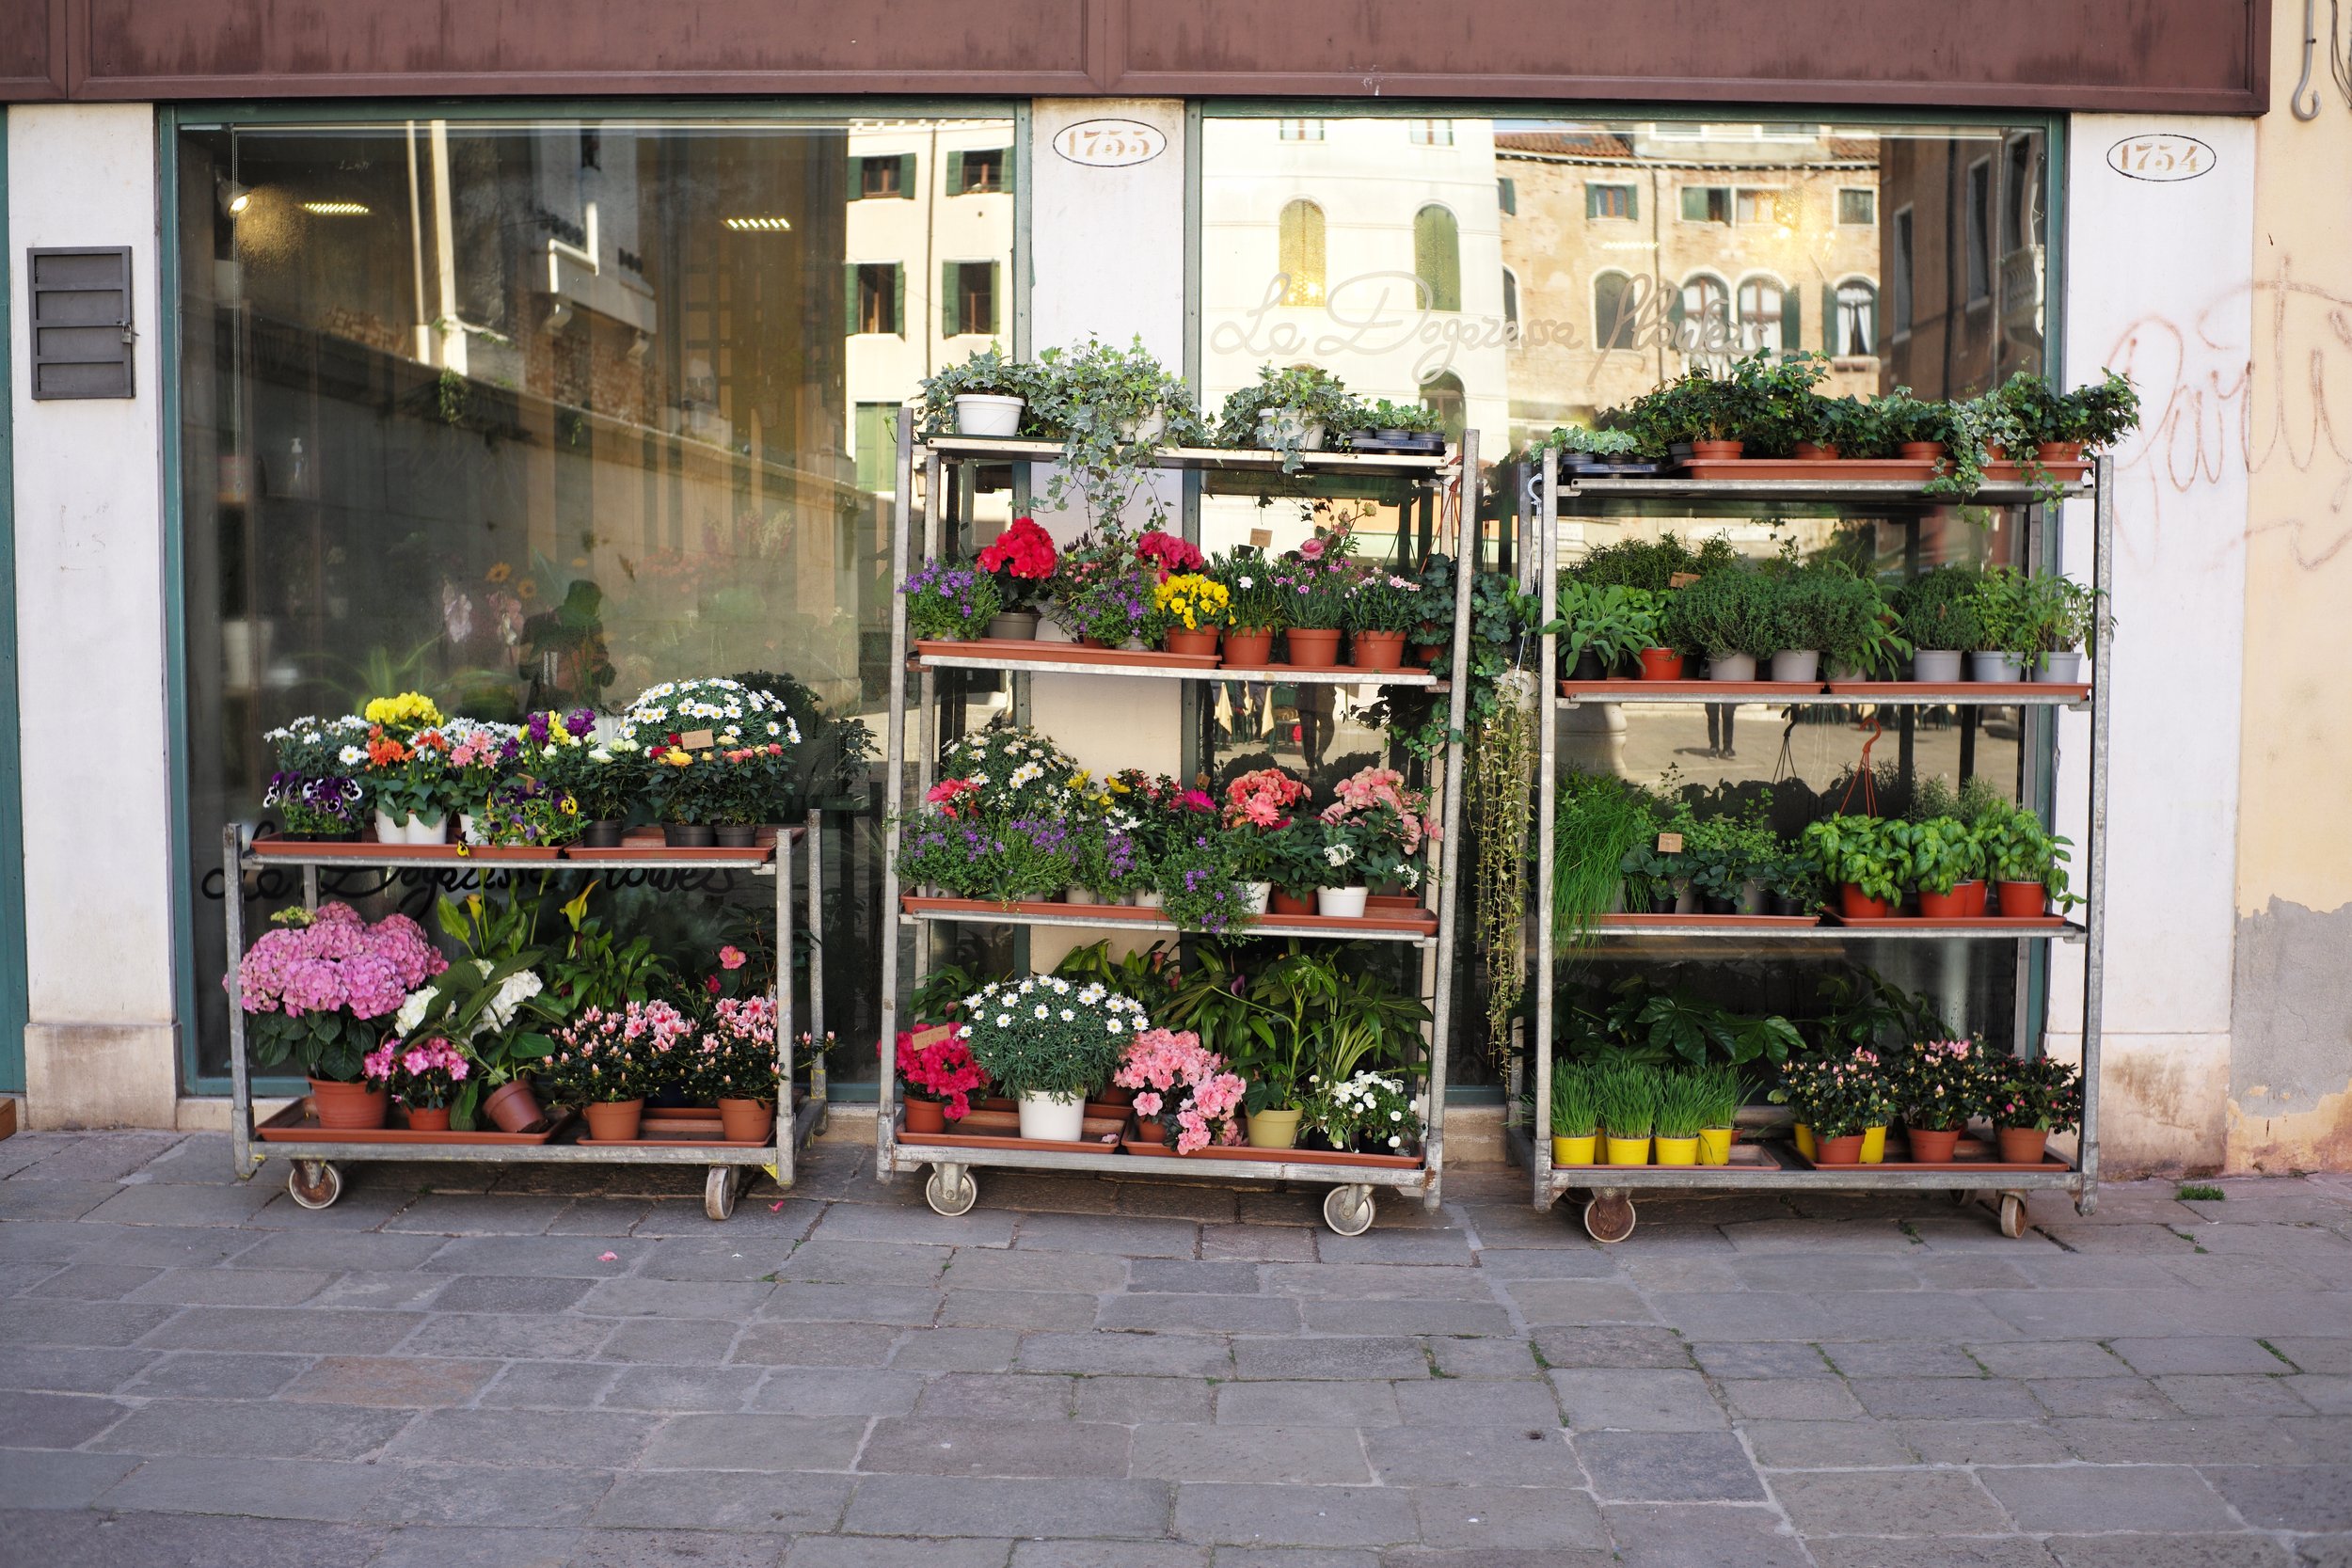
{"x":1939,"y":616}
{"x":1604,"y":627}
{"x":1731,"y":617}
{"x":2059,"y":616}
{"x":1189,"y":611}
{"x":607,"y":1061}
{"x":952,"y":603}
{"x":1946,"y":865}
{"x":1288,"y":411}
{"x":1628,"y":1095}
{"x":314,"y":990}
{"x":1181,"y":1085}
{"x":1793,"y":885}
{"x":2026,"y":862}
{"x":2004,"y":612}
{"x":1727,"y":860}
{"x":1859,"y":855}
{"x":1381,"y":606}
{"x":1397,"y":427}
{"x":939,"y":1076}
{"x":1938,"y":1086}
{"x":1594,"y":451}
{"x":1049,"y":1044}
{"x":1575,"y":1113}
{"x":1720,"y":1098}
{"x":1113,"y":408}
{"x":986,"y":395}
{"x":1682,"y":1107}
{"x":1841,"y":1098}
{"x":2034,"y":1099}
{"x":1021,"y":560}
{"x":1820,"y":612}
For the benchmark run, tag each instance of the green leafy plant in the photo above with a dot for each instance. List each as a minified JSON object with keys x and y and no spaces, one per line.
{"x":594,"y":967}
{"x":1627,"y":1096}
{"x":1725,"y":854}
{"x":1684,"y":1099}
{"x":1047,"y":1036}
{"x":2199,"y":1192}
{"x":2059,"y":615}
{"x":1307,"y":1013}
{"x":2039,"y":1092}
{"x":1827,"y":610}
{"x":1612,"y":623}
{"x":1860,"y":852}
{"x":1655,"y":563}
{"x":1105,"y":402}
{"x":1724,"y":615}
{"x":1842,"y":425}
{"x":1944,"y":852}
{"x":1600,"y":820}
{"x":1838,"y":1097}
{"x":1599,"y":446}
{"x":1941,"y":610}
{"x":988,"y":371}
{"x":1575,"y":1101}
{"x":1719,"y":1094}
{"x":2019,"y":848}
{"x":1149,"y":975}
{"x":1414,"y":419}
{"x":1287,"y":405}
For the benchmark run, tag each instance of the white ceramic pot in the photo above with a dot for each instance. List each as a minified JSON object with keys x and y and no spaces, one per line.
{"x":422,"y":831}
{"x":388,"y":831}
{"x":1261,"y":894}
{"x":1044,"y":1117}
{"x":2059,"y":669}
{"x":1342,"y":903}
{"x":1150,"y":428}
{"x":1731,"y":666}
{"x":467,"y":831}
{"x":988,"y":413}
{"x":1995,"y":667}
{"x":1150,"y":900}
{"x":1797,"y":664}
{"x":1935,"y":666}
{"x":1278,"y":424}
{"x":1080,"y":895}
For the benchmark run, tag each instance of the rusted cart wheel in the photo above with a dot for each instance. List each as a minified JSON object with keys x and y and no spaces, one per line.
{"x":719,"y":1190}
{"x":1608,"y":1217}
{"x":314,"y":1184}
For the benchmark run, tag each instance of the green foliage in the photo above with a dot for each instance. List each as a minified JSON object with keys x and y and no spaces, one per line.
{"x":2056,"y":615}
{"x":1612,"y":623}
{"x":1643,"y":1021}
{"x":1103,"y":400}
{"x":1574,"y":442}
{"x":989,"y":371}
{"x":1499,"y":794}
{"x":1654,"y":563}
{"x":1724,"y":854}
{"x":1719,"y":1094}
{"x":2199,"y":1192}
{"x":1274,"y":413}
{"x":1149,"y":974}
{"x":1757,"y":398}
{"x":1862,"y":851}
{"x":596,"y":969}
{"x":1944,"y":852}
{"x":1685,"y":1098}
{"x":1575,"y":1101}
{"x":1862,"y":1008}
{"x":1626,"y":1093}
{"x":1412,"y":417}
{"x":1726,"y":613}
{"x":1827,"y":608}
{"x":1311,"y":1013}
{"x":2018,"y":847}
{"x":1941,"y":610}
{"x":1839,"y":1095}
{"x":1600,"y":820}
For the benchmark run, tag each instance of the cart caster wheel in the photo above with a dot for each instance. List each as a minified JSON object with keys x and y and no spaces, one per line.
{"x":950,"y":1190}
{"x":1608,"y":1217}
{"x":719,"y":1190}
{"x":314,"y":1184}
{"x":1962,"y":1195}
{"x":1348,"y":1210}
{"x":2012,"y":1214}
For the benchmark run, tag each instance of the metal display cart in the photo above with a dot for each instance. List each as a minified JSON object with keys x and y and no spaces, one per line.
{"x":1609,"y":1214}
{"x":312,"y":1176}
{"x":1445,"y":479}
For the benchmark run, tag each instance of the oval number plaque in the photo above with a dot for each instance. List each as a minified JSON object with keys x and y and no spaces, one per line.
{"x":1110,"y":143}
{"x":2164,"y":157}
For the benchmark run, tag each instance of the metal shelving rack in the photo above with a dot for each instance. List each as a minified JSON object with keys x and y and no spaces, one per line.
{"x":1609,"y":1215}
{"x":951,"y":1189}
{"x":312,"y":1177}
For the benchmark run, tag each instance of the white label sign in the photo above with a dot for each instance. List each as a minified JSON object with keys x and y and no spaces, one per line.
{"x":1110,"y":143}
{"x":2165,"y":158}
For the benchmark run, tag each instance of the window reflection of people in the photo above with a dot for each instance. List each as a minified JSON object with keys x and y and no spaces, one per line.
{"x":1719,"y":718}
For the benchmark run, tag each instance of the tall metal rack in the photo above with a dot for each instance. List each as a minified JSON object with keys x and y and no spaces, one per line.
{"x":1609,"y":1214}
{"x":312,"y":1176}
{"x":1349,"y":1205}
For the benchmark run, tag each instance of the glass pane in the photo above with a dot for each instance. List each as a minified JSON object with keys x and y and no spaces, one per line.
{"x":540,"y":414}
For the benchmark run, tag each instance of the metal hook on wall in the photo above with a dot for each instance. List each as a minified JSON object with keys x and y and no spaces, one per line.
{"x":2303,"y":89}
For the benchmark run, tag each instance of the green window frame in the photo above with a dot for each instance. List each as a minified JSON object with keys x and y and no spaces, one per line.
{"x":980,"y":171}
{"x":971,"y":296}
{"x":1610,"y":198}
{"x":867,"y":179}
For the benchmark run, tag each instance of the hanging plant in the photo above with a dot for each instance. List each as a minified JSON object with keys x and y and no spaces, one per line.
{"x":1501,"y":779}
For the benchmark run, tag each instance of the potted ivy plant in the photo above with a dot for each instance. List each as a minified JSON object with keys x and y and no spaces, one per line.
{"x":1291,"y":410}
{"x":1113,"y":408}
{"x":986,"y":395}
{"x":1050,"y":1042}
{"x":1596,"y":452}
{"x":1385,"y":426}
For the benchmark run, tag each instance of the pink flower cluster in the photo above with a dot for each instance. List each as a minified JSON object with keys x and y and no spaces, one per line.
{"x":336,"y":960}
{"x":1168,"y":553}
{"x":1174,"y":1075}
{"x":942,"y":1070}
{"x":1370,"y":789}
{"x":421,"y":1074}
{"x":751,"y":1020}
{"x":946,"y":792}
{"x":1262,"y":798}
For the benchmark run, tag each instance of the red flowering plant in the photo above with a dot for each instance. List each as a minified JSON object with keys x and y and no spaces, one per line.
{"x":1168,"y":811}
{"x":1259,"y":805}
{"x":1184,"y":1086}
{"x":1168,"y":553}
{"x":1022,"y":561}
{"x":942,"y":1070}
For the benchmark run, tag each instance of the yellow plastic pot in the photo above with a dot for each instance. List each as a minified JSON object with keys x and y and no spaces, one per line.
{"x":1715,"y":1145}
{"x":1574,"y":1151}
{"x":1678,"y":1152}
{"x":1874,"y":1146}
{"x":1628,"y":1151}
{"x":1804,"y":1140}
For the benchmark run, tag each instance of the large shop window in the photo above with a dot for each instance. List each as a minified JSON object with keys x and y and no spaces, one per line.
{"x":536,"y":413}
{"x":1530,"y":272}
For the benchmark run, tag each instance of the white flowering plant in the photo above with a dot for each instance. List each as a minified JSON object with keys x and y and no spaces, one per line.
{"x":312,"y":748}
{"x":1370,"y":1113}
{"x":1012,"y":772}
{"x":1254,"y":598}
{"x":1046,"y":1035}
{"x":715,"y":750}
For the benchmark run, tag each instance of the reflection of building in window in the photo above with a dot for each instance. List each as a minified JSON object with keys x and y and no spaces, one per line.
{"x":2021,"y":213}
{"x":1510,"y":298}
{"x":1706,"y":204}
{"x":1855,"y":323}
{"x":1978,"y":231}
{"x":1612,"y":313}
{"x":877,"y":436}
{"x":1300,"y":130}
{"x":1857,"y":206}
{"x":880,"y":297}
{"x":1438,"y":257}
{"x":1768,"y":316}
{"x":968,"y":298}
{"x":1962,"y":268}
{"x":1431,"y":133}
{"x":1612,"y":201}
{"x":886,"y":176}
{"x":1301,"y":253}
{"x":1899,"y":274}
{"x":1702,"y":315}
{"x":1755,"y":207}
{"x":977,"y":172}
{"x":1442,"y":395}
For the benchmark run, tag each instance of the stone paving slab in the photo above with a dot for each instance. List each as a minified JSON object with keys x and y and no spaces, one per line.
{"x":572,"y":1368}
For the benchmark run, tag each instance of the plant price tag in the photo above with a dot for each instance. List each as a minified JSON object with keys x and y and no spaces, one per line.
{"x":926,"y":1038}
{"x":1682,"y":580}
{"x":698,"y":740}
{"x":1670,"y":844}
{"x":1261,"y":538}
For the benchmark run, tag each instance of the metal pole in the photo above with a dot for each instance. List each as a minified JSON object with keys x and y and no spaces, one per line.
{"x":787,"y":1142}
{"x":894,"y":791}
{"x":816,"y":1086}
{"x":240,"y":1081}
{"x":1449,"y":843}
{"x":2095,"y":922}
{"x":1546,"y":554}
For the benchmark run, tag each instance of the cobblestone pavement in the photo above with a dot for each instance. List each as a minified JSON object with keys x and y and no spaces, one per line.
{"x":576,"y":1367}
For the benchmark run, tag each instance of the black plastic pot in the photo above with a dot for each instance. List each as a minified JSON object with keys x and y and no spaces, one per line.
{"x":1588,"y":668}
{"x":1783,"y":903}
{"x":686,"y":835}
{"x":602,"y":835}
{"x":1712,"y":905}
{"x":737,"y":835}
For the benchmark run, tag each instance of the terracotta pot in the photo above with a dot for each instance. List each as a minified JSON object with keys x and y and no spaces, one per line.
{"x":1811,"y":452}
{"x":514,"y":1107}
{"x":746,"y":1121}
{"x":1838,"y":1151}
{"x":2024,"y":900}
{"x":1923,"y":452}
{"x":1377,"y":650}
{"x":1190,"y":642}
{"x":1310,"y":649}
{"x":1994,"y":453}
{"x":2059,"y":451}
{"x":1112,"y":1095}
{"x":2022,"y":1145}
{"x":1428,"y":653}
{"x":1662,"y":664}
{"x":1717,"y":452}
{"x":601,"y":835}
{"x":1942,"y":906}
{"x":1285,"y":903}
{"x":687,"y":835}
{"x":1849,"y":899}
{"x":925,"y":1115}
{"x":1252,"y":649}
{"x":1931,"y":1147}
{"x":615,"y":1120}
{"x":1972,"y":897}
{"x":428,"y":1119}
{"x":349,"y":1107}
{"x":1149,"y":1130}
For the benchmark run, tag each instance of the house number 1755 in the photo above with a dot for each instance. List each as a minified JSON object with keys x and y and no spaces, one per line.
{"x":1110,"y":143}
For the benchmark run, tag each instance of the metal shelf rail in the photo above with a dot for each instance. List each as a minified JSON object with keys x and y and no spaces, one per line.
{"x":1609,"y":1214}
{"x":312,"y":1176}
{"x":951,"y":1189}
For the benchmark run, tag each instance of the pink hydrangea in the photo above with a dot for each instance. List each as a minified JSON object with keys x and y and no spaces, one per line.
{"x":335,"y":959}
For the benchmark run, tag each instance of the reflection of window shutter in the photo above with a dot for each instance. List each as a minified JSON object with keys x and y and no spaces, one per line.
{"x":1674,"y":311}
{"x":1012,"y":162}
{"x":906,"y":175}
{"x":848,"y":298}
{"x":857,"y":178}
{"x":1829,"y":319}
{"x":1791,"y":321}
{"x":1633,"y":202}
{"x":950,"y":307}
{"x":955,"y":174}
{"x":996,"y":296}
{"x":899,"y":298}
{"x":1874,"y":321}
{"x":1507,"y":191}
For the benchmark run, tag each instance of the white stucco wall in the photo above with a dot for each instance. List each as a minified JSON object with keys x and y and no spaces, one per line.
{"x":101,"y":1046}
{"x":2146,"y":263}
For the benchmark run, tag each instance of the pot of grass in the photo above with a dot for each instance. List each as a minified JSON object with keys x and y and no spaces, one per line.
{"x":1682,"y":1112}
{"x":1721,"y":1112}
{"x":1575,"y":1115}
{"x":1628,"y":1102}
